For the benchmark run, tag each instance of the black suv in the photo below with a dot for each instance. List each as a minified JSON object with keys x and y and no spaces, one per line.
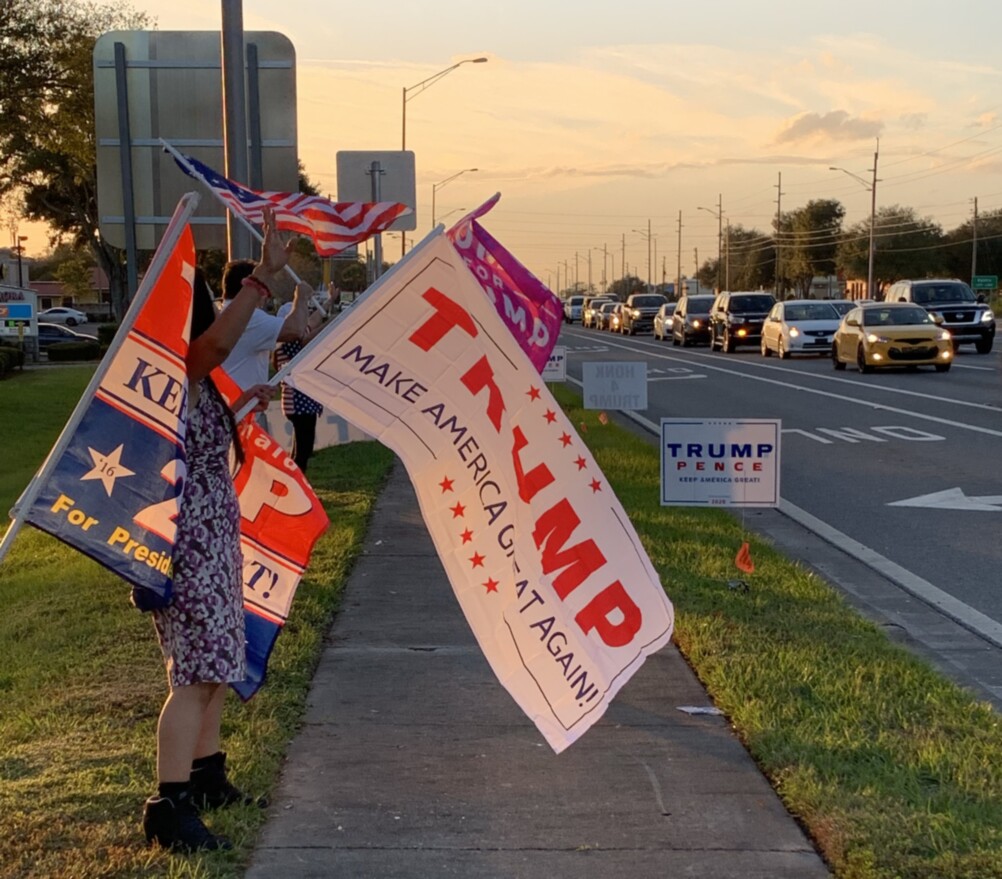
{"x":639,"y":311}
{"x":691,"y":321}
{"x":966,"y":316}
{"x":737,"y":318}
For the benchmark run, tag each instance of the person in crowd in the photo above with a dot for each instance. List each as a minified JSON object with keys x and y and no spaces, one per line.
{"x":301,"y":410}
{"x":201,"y":630}
{"x":247,"y":363}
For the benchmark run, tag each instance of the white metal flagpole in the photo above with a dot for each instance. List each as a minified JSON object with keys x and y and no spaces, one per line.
{"x":182,"y":213}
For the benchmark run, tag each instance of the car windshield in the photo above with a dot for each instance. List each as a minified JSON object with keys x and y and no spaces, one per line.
{"x":895,"y":317}
{"x":742,"y":304}
{"x":647,"y":301}
{"x":952,"y":291}
{"x":607,"y":307}
{"x":809,"y":311}
{"x":842,"y":306}
{"x":699,"y":304}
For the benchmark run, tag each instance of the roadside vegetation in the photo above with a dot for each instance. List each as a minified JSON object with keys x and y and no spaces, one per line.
{"x":893,"y":770}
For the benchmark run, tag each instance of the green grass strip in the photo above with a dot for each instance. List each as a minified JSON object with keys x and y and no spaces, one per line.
{"x":895,"y":771}
{"x":892,"y":769}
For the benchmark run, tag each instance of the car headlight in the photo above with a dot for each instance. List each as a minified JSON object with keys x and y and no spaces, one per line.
{"x":696,"y":324}
{"x":945,"y":336}
{"x":635,"y":312}
{"x":937,"y":315}
{"x":987,"y":317}
{"x":794,"y":332}
{"x":873,"y":337}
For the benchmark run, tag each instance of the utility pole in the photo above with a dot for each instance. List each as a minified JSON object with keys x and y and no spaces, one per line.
{"x":678,"y":276}
{"x":727,"y":265}
{"x":873,"y":219}
{"x":648,"y":254}
{"x":577,"y":275}
{"x":779,"y":229}
{"x":974,"y":243}
{"x":589,"y":271}
{"x":605,"y":274}
{"x":623,"y":261}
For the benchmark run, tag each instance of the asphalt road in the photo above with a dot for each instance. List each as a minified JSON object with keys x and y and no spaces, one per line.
{"x":902,"y":463}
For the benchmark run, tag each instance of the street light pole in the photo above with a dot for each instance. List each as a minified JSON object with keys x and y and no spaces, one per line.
{"x":436,"y":186}
{"x":20,"y":247}
{"x":719,"y":214}
{"x":647,"y":235}
{"x":872,"y":187}
{"x":406,"y":95}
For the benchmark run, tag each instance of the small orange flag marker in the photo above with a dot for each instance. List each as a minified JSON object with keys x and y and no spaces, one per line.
{"x":743,"y":559}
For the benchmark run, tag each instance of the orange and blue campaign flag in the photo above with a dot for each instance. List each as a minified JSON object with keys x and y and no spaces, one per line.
{"x":113,"y":484}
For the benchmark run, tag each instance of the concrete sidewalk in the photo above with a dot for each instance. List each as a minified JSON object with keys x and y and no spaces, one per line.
{"x":415,"y":763}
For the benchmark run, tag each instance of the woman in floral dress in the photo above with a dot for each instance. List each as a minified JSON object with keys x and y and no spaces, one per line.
{"x":201,"y":631}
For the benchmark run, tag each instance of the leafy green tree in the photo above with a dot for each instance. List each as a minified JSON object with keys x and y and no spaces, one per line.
{"x":811,"y":237}
{"x":47,"y":151}
{"x":750,"y":259}
{"x":962,"y":246}
{"x":905,"y":246}
{"x":623,"y":287}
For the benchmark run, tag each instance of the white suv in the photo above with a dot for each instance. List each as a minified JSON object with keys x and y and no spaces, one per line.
{"x":572,"y":308}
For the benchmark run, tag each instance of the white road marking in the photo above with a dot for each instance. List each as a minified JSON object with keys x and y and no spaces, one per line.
{"x":829,"y":378}
{"x":953,"y":499}
{"x":853,"y":400}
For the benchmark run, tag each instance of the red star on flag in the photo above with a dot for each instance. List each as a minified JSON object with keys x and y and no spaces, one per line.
{"x":491,"y":585}
{"x":458,"y":511}
{"x":596,"y":485}
{"x":446,"y":484}
{"x":550,"y":416}
{"x":478,"y":560}
{"x":467,"y":536}
{"x":581,"y":462}
{"x":565,"y":438}
{"x":533,"y":393}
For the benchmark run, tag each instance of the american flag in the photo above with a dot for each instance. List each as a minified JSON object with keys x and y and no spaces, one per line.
{"x":333,"y":226}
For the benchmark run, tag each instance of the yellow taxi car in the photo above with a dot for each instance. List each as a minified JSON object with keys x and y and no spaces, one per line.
{"x":891,"y":334}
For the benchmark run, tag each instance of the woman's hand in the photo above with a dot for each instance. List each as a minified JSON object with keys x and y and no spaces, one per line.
{"x":260,"y":395}
{"x":275,"y":253}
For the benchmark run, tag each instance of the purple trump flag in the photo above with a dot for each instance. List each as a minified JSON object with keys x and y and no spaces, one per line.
{"x":525,"y":304}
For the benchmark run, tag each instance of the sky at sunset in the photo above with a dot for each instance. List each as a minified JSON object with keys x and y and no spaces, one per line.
{"x":595,"y":118}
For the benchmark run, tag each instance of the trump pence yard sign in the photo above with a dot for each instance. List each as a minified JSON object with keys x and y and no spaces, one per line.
{"x":720,"y":462}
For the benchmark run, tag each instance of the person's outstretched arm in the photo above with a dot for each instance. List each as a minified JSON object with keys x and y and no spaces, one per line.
{"x":214,"y":345}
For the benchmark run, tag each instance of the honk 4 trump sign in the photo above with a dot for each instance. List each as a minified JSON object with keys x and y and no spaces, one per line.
{"x":542,"y":558}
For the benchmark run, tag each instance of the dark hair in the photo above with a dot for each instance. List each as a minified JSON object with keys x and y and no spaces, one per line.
{"x":203,"y":315}
{"x":234,"y":274}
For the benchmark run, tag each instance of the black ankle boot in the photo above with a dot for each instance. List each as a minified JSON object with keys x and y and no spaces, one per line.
{"x":173,"y":823}
{"x":211,"y":789}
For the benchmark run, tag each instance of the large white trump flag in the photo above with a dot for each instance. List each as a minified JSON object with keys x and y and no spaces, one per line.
{"x":546,"y":566}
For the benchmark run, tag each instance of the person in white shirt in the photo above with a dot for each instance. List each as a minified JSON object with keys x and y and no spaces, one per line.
{"x":248,"y":362}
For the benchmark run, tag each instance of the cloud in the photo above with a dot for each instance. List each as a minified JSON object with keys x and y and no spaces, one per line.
{"x":835,"y":125}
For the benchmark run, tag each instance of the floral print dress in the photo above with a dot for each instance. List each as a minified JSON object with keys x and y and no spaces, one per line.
{"x":202,"y":631}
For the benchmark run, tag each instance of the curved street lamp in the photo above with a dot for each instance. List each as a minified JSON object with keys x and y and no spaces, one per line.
{"x":719,"y":214}
{"x":872,"y":189}
{"x":411,"y":92}
{"x":417,"y":88}
{"x":650,"y":238}
{"x":437,"y":186}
